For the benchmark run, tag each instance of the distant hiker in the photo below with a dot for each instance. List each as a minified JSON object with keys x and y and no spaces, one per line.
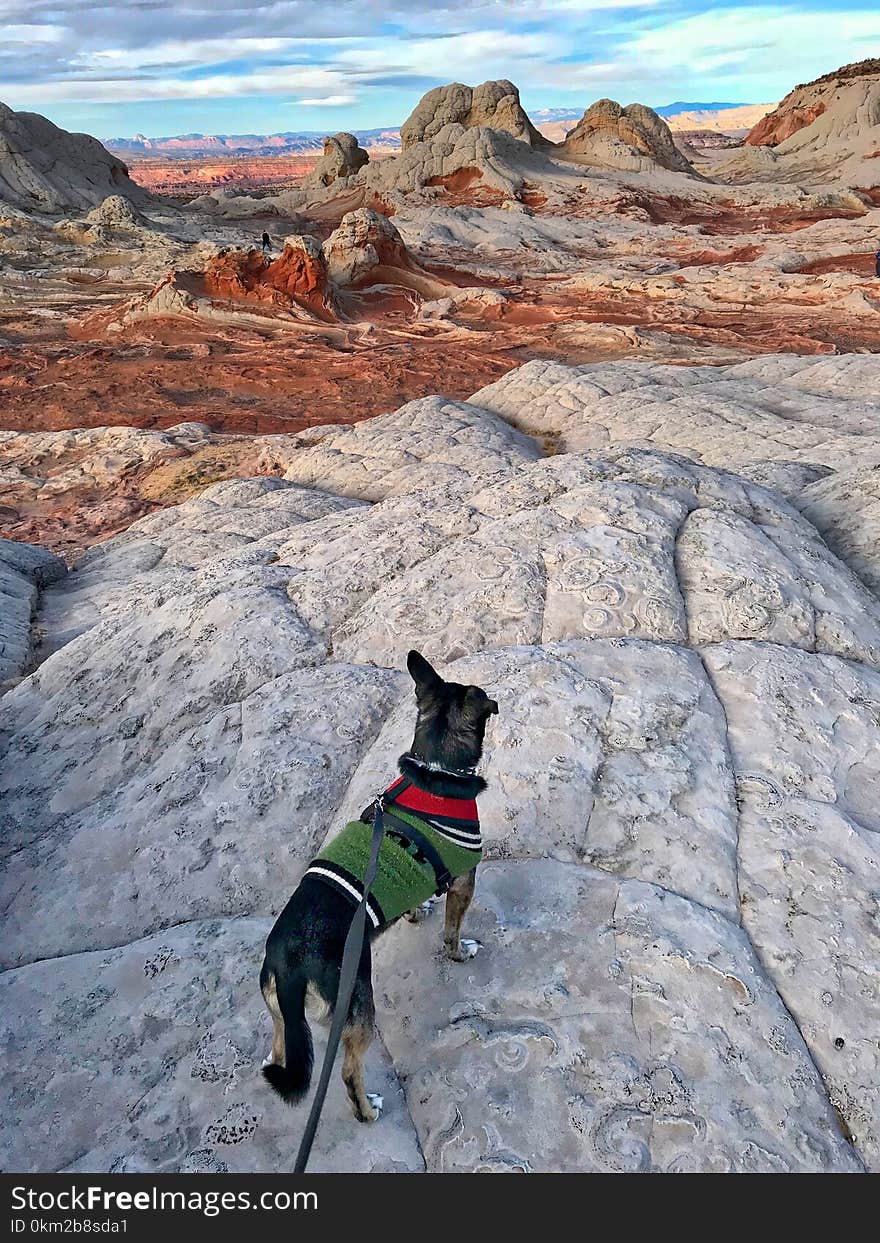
{"x":267,"y":243}
{"x":877,"y":264}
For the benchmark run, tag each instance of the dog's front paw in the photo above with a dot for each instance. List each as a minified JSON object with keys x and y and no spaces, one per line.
{"x":421,"y":913}
{"x":376,"y":1103}
{"x":267,"y":1061}
{"x":464,"y":951}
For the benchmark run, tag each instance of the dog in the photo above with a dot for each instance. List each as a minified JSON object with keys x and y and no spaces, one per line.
{"x":432,"y":827}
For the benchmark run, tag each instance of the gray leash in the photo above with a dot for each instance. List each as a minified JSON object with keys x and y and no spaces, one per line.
{"x":351,"y":957}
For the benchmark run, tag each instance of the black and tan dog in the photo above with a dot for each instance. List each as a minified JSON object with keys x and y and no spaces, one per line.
{"x":432,"y":843}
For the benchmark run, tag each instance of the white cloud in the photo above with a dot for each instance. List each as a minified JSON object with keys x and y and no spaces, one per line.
{"x":32,"y":34}
{"x":191,"y":52}
{"x":329,"y":101}
{"x":279,"y":81}
{"x":758,"y":39}
{"x":122,"y":51}
{"x":750,"y":52}
{"x":128,"y":75}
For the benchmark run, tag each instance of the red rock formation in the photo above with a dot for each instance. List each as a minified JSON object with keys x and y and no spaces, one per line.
{"x":779,"y":125}
{"x":465,"y":188}
{"x":300,"y":272}
{"x":298,"y":275}
{"x":235,"y":273}
{"x":862,"y":264}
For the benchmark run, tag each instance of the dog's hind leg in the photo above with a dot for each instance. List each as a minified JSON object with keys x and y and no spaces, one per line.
{"x":289,"y":1069}
{"x":356,"y":1039}
{"x":357,"y":1035}
{"x":458,"y":899}
{"x":269,"y":989}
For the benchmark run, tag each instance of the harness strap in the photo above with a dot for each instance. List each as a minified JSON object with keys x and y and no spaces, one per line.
{"x":389,"y":796}
{"x":351,"y":957}
{"x":441,"y":873}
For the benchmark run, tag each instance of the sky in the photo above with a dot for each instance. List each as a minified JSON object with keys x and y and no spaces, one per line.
{"x":120,"y":67}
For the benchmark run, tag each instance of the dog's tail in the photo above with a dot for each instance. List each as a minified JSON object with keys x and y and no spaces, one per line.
{"x":285,"y":991}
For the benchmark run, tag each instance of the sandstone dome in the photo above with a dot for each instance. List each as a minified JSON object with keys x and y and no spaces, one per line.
{"x":46,"y":169}
{"x":678,"y":908}
{"x":633,"y":138}
{"x":498,"y":160}
{"x":492,"y":105}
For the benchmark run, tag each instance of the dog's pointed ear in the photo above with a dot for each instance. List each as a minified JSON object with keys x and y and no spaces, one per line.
{"x":478,"y":705}
{"x":422,"y":673}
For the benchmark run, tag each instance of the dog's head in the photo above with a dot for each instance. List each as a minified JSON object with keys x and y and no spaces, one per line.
{"x":452,"y":718}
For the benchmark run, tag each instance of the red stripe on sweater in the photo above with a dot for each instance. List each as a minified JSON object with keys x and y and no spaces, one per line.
{"x":418,"y":800}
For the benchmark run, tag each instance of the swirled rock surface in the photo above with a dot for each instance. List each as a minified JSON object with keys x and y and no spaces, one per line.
{"x":678,"y":912}
{"x":24,"y":569}
{"x":815,"y":411}
{"x":845,"y":506}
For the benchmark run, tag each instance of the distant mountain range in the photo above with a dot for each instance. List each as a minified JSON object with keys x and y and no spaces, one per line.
{"x":189,"y":146}
{"x":544,"y":115}
{"x":671,"y":110}
{"x":186,"y":146}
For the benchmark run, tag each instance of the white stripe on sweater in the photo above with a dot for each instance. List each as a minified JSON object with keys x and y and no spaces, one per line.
{"x":460,"y":837}
{"x":319,"y":871}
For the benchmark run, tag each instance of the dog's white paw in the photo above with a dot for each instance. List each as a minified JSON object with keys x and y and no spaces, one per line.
{"x":421,"y":913}
{"x":469,"y":948}
{"x":377,"y":1101}
{"x":267,"y":1061}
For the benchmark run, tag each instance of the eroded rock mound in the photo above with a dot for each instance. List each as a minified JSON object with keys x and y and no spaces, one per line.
{"x":298,"y":275}
{"x":116,"y":213}
{"x":482,"y":166}
{"x":364,"y":242}
{"x":342,"y":157}
{"x":492,"y":105}
{"x":633,"y":138}
{"x":46,"y":169}
{"x":343,"y":279}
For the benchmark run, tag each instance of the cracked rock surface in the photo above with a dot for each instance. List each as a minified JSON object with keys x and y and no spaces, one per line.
{"x":678,"y":912}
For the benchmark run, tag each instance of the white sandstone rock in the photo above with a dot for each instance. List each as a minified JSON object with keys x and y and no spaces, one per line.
{"x":678,"y":909}
{"x":46,"y":169}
